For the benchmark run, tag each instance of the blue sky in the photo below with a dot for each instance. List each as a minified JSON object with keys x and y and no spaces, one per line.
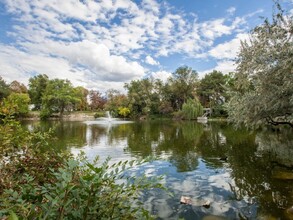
{"x":101,"y":44}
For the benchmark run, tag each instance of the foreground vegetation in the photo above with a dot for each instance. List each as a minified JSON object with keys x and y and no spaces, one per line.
{"x":39,"y":183}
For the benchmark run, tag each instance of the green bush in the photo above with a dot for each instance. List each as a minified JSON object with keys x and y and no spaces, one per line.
{"x":192,"y":109}
{"x":23,"y":152}
{"x":16,"y":104}
{"x":219,"y":111}
{"x":124,"y":111}
{"x":99,"y":114}
{"x":81,"y":190}
{"x":178,"y":115}
{"x":47,"y":185}
{"x":45,"y":113}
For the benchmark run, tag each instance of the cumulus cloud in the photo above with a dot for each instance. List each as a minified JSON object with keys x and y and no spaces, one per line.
{"x":162,"y":75}
{"x":224,"y":66}
{"x":216,"y":28}
{"x":225,"y":54}
{"x":84,"y":63}
{"x":91,"y":42}
{"x":151,"y":61}
{"x":229,"y":49}
{"x":27,"y":65}
{"x":97,"y":58}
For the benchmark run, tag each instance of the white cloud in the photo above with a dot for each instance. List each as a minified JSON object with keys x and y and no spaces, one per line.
{"x":85,"y":64}
{"x":217,"y":28}
{"x":151,"y":5}
{"x":151,"y":61}
{"x":21,"y":65}
{"x":231,"y":10}
{"x":91,"y":42}
{"x":230,"y":49}
{"x":162,"y":75}
{"x":224,"y":66}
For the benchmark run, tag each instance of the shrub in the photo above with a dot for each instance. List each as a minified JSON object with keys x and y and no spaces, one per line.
{"x":48,"y":185}
{"x":178,"y":115}
{"x":192,"y":109}
{"x":22,"y":152}
{"x":124,"y":111}
{"x":45,"y":113}
{"x":16,"y":104}
{"x":99,"y":114}
{"x":81,"y":190}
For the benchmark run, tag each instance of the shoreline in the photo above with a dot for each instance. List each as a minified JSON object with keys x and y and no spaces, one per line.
{"x":74,"y":116}
{"x":84,"y":116}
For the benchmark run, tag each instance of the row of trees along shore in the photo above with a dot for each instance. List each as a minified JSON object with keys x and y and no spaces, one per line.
{"x":144,"y":97}
{"x":259,"y":91}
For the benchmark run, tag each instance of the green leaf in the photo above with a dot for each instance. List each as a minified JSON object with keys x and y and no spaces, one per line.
{"x":12,"y":216}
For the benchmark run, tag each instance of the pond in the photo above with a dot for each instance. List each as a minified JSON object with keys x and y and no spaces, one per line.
{"x":243,"y":174}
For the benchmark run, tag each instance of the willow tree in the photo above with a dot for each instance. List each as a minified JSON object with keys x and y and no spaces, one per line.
{"x":192,"y":109}
{"x":264,"y":75}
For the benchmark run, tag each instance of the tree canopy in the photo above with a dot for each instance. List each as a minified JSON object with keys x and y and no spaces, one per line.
{"x":143,"y":96}
{"x":97,"y":101}
{"x":4,"y":89}
{"x":264,"y":77}
{"x":81,"y":93}
{"x":183,"y":84}
{"x":37,"y":87}
{"x":192,"y":109}
{"x":16,"y":104}
{"x":58,"y":96}
{"x":212,"y":91}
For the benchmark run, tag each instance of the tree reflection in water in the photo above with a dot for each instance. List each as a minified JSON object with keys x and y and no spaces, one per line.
{"x":241,"y":185}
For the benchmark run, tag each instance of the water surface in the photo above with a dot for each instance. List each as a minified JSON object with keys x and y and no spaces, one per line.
{"x":242,"y":173}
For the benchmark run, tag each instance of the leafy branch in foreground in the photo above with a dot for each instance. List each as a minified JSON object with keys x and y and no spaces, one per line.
{"x":82,"y":190}
{"x":47,"y":185}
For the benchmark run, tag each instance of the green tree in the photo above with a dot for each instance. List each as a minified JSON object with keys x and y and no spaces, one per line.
{"x":182,"y":85}
{"x":16,"y":104}
{"x":264,"y":77}
{"x":192,"y":109}
{"x":143,"y":96}
{"x":115,"y":100}
{"x":138,"y":96}
{"x":81,"y":93}
{"x":4,"y":89}
{"x":165,"y":107}
{"x":58,"y":97}
{"x":37,"y":87}
{"x":212,"y":92}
